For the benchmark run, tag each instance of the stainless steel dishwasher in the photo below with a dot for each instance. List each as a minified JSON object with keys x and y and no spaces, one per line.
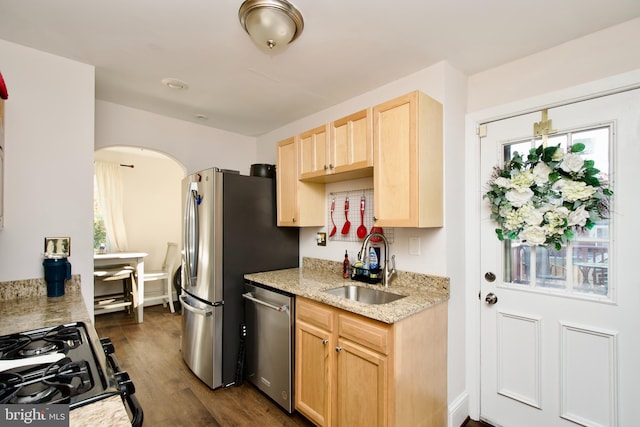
{"x":270,"y":321}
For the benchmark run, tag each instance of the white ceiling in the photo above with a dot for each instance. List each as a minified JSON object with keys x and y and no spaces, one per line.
{"x":347,"y":48}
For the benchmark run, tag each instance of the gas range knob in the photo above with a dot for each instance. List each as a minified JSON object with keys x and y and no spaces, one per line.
{"x":126,"y":387}
{"x":107,"y":345}
{"x":122,"y":376}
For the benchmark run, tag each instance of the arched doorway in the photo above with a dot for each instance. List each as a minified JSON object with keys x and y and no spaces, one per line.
{"x":151,"y":203}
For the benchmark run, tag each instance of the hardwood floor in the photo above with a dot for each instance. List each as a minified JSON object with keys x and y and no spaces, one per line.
{"x":169,"y":393}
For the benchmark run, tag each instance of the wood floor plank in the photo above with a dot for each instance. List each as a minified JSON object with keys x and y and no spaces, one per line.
{"x":169,"y":393}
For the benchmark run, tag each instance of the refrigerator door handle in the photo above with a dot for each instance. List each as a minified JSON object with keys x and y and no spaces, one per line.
{"x":250,"y":297}
{"x":192,"y":309}
{"x":191,"y":225}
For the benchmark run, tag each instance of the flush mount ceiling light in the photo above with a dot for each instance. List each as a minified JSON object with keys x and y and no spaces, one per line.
{"x":272,"y":24}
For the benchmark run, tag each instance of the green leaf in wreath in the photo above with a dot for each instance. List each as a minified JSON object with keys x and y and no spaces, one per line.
{"x":589,"y":164}
{"x":558,"y":246}
{"x":607,"y":192}
{"x":591,"y":171}
{"x":548,"y":153}
{"x":592,"y":180}
{"x":499,"y":233}
{"x":577,"y":148}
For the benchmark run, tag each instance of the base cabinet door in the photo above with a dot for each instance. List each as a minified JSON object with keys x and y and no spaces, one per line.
{"x":313,"y":380}
{"x":362,"y":392}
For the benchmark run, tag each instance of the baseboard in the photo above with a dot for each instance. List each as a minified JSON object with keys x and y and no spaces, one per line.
{"x":458,"y":410}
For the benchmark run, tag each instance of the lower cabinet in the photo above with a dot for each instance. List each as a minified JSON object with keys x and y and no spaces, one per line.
{"x":355,"y":371}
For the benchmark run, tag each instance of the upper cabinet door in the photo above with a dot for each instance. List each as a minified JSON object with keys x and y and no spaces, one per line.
{"x":407,"y":178}
{"x":314,"y":152}
{"x":352,"y":142}
{"x":299,"y":204}
{"x":287,"y":182}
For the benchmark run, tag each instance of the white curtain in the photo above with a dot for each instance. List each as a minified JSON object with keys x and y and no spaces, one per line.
{"x":110,"y":197}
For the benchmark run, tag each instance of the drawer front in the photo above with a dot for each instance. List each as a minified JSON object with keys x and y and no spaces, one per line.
{"x":314,"y":314}
{"x":369,"y":333}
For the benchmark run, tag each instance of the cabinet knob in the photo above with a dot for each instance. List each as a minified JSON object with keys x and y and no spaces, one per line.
{"x":325,"y":341}
{"x":330,"y":166}
{"x":293,"y":219}
{"x":338,"y":349}
{"x":325,"y":167}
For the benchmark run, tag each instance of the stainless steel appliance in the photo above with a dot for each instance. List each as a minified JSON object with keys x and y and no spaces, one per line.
{"x":270,"y":321}
{"x":229,"y":230}
{"x":64,"y":365}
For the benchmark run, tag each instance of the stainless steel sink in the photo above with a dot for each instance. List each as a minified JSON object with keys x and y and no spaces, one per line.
{"x":364,"y":295}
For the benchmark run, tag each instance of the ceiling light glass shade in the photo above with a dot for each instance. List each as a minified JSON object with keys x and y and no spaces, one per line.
{"x":272,"y":24}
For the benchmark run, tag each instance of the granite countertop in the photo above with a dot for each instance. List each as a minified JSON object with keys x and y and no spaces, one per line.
{"x":24,"y":306}
{"x":422,"y":291}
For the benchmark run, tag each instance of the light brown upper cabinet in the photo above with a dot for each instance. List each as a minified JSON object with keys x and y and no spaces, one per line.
{"x":338,"y":151}
{"x":352,"y":145}
{"x":300,"y":204}
{"x":407,"y":158}
{"x":314,"y":152}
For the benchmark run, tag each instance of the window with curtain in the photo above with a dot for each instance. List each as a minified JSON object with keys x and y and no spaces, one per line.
{"x":109,"y":208}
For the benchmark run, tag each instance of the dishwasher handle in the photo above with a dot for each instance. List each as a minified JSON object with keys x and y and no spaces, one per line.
{"x":192,"y":309}
{"x":250,"y":297}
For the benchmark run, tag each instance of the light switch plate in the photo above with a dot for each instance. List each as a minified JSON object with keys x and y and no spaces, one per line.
{"x":414,"y":246}
{"x":321,"y":238}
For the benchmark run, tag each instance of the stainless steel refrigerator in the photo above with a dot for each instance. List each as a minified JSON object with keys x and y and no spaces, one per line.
{"x":229,"y":230}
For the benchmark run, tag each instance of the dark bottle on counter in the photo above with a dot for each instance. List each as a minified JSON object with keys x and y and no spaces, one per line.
{"x":345,"y":265}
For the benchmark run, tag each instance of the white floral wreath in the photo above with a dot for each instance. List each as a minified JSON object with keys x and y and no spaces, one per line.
{"x":549,"y":197}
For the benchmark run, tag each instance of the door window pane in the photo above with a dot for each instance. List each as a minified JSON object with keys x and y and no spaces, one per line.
{"x":581,"y":267}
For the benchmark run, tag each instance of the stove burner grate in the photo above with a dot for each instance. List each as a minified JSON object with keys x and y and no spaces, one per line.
{"x":36,"y":348}
{"x":11,"y":343}
{"x":54,"y":383}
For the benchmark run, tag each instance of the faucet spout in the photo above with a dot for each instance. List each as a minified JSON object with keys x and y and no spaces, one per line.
{"x":388,"y":271}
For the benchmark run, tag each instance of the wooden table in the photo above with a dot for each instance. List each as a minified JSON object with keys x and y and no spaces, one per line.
{"x":135,"y":259}
{"x":591,"y":268}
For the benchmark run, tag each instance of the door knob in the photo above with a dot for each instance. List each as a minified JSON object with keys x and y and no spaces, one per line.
{"x":491,"y":298}
{"x":489,"y":276}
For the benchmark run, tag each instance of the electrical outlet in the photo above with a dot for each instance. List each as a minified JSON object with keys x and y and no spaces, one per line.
{"x":321,"y":238}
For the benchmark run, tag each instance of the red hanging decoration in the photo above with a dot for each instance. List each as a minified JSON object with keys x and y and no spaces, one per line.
{"x":3,"y":88}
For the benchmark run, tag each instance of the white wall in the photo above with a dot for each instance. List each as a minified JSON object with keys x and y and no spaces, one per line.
{"x":602,"y":54}
{"x":48,"y":162}
{"x":196,"y":147}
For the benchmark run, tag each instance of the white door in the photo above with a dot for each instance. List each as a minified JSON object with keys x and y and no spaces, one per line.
{"x":560,"y":330}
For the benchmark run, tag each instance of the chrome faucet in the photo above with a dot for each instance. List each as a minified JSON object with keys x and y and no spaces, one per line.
{"x":388,"y":273}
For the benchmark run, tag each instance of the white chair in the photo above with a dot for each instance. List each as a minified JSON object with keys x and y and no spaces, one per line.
{"x":168,"y":267}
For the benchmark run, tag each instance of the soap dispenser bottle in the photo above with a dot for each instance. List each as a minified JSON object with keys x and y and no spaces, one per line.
{"x":373,"y":259}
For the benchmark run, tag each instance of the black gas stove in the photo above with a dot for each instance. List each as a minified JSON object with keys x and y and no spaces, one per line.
{"x":62,"y":365}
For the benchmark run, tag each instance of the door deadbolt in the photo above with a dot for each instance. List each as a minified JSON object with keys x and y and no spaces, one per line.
{"x":491,"y":298}
{"x":489,"y":276}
